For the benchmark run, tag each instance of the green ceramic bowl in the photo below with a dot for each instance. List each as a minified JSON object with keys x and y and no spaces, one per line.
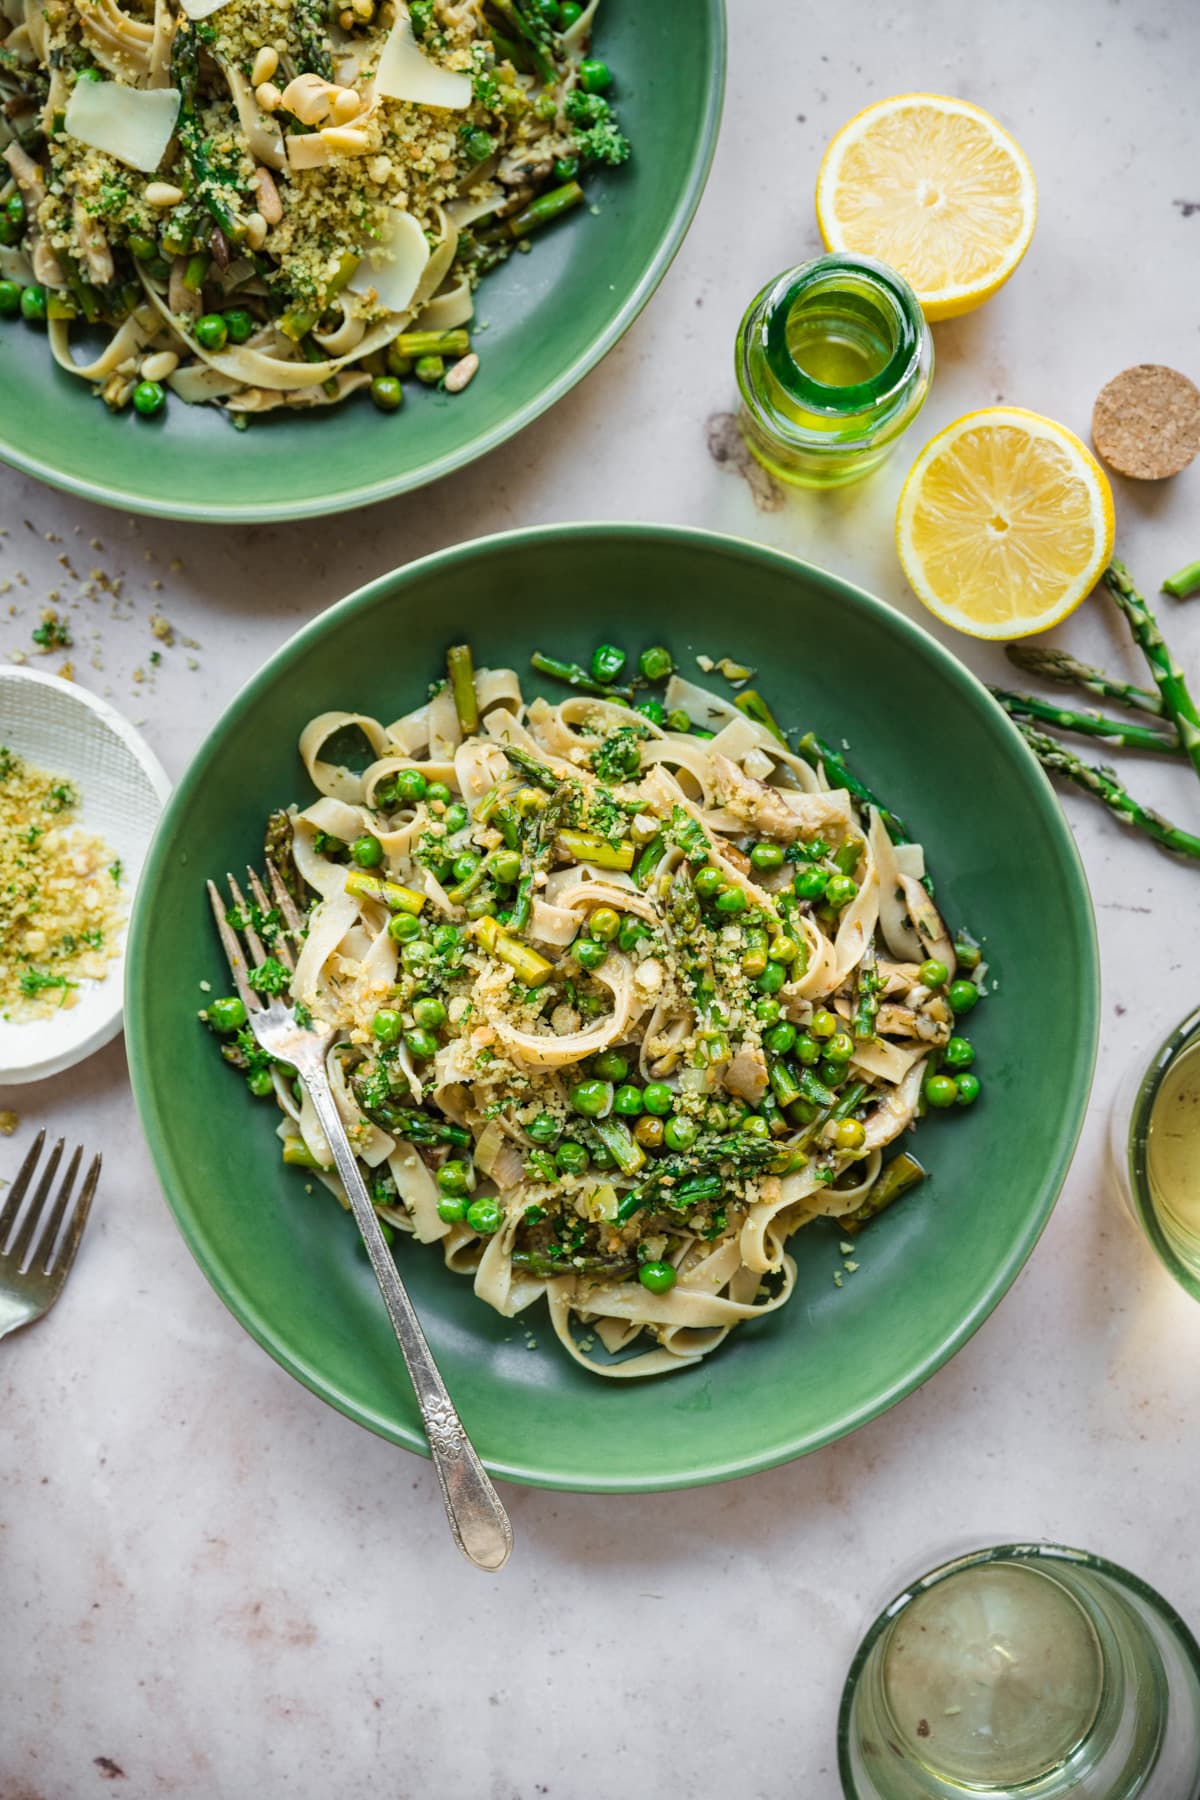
{"x":923,"y":732}
{"x":551,"y":316}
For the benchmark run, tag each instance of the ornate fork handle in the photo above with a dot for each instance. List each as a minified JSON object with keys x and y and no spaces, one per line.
{"x":477,"y":1517}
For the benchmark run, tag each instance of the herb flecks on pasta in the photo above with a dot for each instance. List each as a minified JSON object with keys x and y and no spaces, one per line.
{"x":624,"y":993}
{"x":269,"y":204}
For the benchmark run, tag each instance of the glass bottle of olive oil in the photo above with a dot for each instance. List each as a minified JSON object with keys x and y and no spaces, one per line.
{"x":1156,"y":1150}
{"x":834,"y":360}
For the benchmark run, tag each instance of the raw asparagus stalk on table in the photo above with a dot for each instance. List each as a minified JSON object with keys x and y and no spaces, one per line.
{"x":1178,"y":705}
{"x":1183,"y":582}
{"x":1061,"y":667}
{"x":1119,"y":732}
{"x":1056,"y":759}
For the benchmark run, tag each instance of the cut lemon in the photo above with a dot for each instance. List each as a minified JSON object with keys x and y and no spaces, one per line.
{"x":1005,"y":523}
{"x":934,"y":187}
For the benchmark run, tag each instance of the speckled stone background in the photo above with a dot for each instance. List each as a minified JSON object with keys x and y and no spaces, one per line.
{"x":212,"y":1586}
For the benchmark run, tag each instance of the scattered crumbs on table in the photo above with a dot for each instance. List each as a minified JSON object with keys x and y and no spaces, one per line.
{"x":162,"y":628}
{"x":837,"y":1278}
{"x":8,"y":1123}
{"x":851,"y":1268}
{"x":706,"y":663}
{"x":206,"y":987}
{"x":846,"y":1249}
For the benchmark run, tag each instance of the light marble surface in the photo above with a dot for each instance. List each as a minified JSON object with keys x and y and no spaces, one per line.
{"x":223,"y":1587}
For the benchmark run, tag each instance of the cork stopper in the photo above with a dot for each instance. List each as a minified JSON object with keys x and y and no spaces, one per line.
{"x":1146,"y":422}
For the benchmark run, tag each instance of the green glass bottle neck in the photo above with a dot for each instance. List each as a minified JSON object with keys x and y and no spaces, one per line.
{"x":835,"y":316}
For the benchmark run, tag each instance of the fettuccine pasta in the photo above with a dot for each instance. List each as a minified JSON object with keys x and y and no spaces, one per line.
{"x":622,"y":998}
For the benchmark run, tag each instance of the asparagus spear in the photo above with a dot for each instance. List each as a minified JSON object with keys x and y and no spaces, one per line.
{"x":1088,"y":724}
{"x":220,"y":199}
{"x":531,"y":768}
{"x":866,"y":1006}
{"x":1060,"y":666}
{"x":461,"y":671}
{"x":1058,"y":760}
{"x":545,"y":208}
{"x":902,"y":1173}
{"x":1183,"y":582}
{"x":538,"y":841}
{"x":751,"y":702}
{"x":576,"y":676}
{"x":815,"y":751}
{"x":1178,"y":705}
{"x":308,"y":18}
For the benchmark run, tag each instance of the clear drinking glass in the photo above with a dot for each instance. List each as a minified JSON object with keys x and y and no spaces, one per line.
{"x":1023,"y":1672}
{"x":834,"y":361}
{"x":1155,"y":1143}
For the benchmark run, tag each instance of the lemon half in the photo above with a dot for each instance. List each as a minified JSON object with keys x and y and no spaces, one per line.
{"x":1005,"y":523}
{"x":935,"y":187}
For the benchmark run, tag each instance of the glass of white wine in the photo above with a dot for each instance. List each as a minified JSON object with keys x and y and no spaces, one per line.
{"x":1023,"y":1672}
{"x":1156,"y":1150}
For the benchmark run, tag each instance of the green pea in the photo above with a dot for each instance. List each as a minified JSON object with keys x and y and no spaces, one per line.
{"x":421,"y":1043}
{"x":803,"y":1112}
{"x":403,"y":928}
{"x":657,"y":1097}
{"x":849,"y":1134}
{"x":435,"y":791}
{"x":656,"y":663}
{"x":397,"y":363}
{"x":628,"y":1100}
{"x":566,"y":168}
{"x":544,"y":1129}
{"x":569,"y":11}
{"x":416,"y":954}
{"x":840,"y":1047}
{"x":680,"y":1133}
{"x":716,"y":1117}
{"x":571,"y":1157}
{"x":632,"y":931}
{"x":678,"y":719}
{"x":429,"y":369}
{"x":228,"y":1014}
{"x":588,"y":953}
{"x":968,"y":1089}
{"x":387,"y":1026}
{"x":10,"y":299}
{"x":933,"y":972}
{"x":602,"y":1158}
{"x":453,"y":1177}
{"x":410,"y":785}
{"x":367,"y":851}
{"x":595,"y":77}
{"x":239,"y":324}
{"x":455,"y":816}
{"x":14,"y":209}
{"x":754,"y":1126}
{"x":9,"y":233}
{"x":480,"y":905}
{"x":809,"y":884}
{"x":771,"y":979}
{"x":831,"y":1073}
{"x":591,"y":1098}
{"x":211,"y":331}
{"x":962,"y":996}
{"x":731,"y":900}
{"x":959,"y":1053}
{"x":589,"y":1006}
{"x":940,"y":1090}
{"x":546,"y":106}
{"x":767,"y":856}
{"x":261,"y":1083}
{"x":708,"y":882}
{"x":767,"y":1009}
{"x":808,"y":1051}
{"x":780,"y":1039}
{"x":452,"y":1208}
{"x":659,"y":1277}
{"x":610,"y":1065}
{"x":840,"y":890}
{"x":149,"y":397}
{"x":607,"y":662}
{"x":33,"y":303}
{"x":485,"y":1216}
{"x":477,"y":143}
{"x":429,"y":1012}
{"x":654,"y":710}
{"x":783,"y":949}
{"x":387,"y":393}
{"x":823,"y":1023}
{"x":465,"y":865}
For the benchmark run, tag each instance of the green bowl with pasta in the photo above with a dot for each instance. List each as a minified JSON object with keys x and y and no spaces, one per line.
{"x":681,"y":989}
{"x":270,"y":262}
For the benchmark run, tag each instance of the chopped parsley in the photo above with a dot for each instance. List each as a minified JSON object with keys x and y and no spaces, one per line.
{"x":53,"y":633}
{"x":619,"y":757}
{"x":38,"y":981}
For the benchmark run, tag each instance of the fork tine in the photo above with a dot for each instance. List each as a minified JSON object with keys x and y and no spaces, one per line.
{"x":233,"y":952}
{"x":70,"y":1244}
{"x":47,"y":1237}
{"x":281,"y":947}
{"x":19,"y":1248}
{"x":254,"y":942}
{"x":16,"y":1193}
{"x":284,"y":901}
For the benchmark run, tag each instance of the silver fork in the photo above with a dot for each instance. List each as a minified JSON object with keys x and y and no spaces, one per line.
{"x":477,"y":1518}
{"x":34,"y":1264}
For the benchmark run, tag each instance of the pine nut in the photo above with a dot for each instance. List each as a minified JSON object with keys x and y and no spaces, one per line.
{"x":159,"y":366}
{"x":256,"y":231}
{"x":346,"y":106}
{"x":462,"y":372}
{"x":346,"y":140}
{"x":270,"y":206}
{"x":268,"y":96}
{"x":162,"y":193}
{"x":265,"y":65}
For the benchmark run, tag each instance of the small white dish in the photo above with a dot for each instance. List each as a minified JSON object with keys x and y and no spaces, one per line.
{"x":122,"y":785}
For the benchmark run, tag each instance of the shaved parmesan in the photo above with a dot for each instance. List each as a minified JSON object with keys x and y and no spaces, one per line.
{"x":396,"y":264}
{"x":406,"y":73}
{"x":132,"y":124}
{"x":200,"y":9}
